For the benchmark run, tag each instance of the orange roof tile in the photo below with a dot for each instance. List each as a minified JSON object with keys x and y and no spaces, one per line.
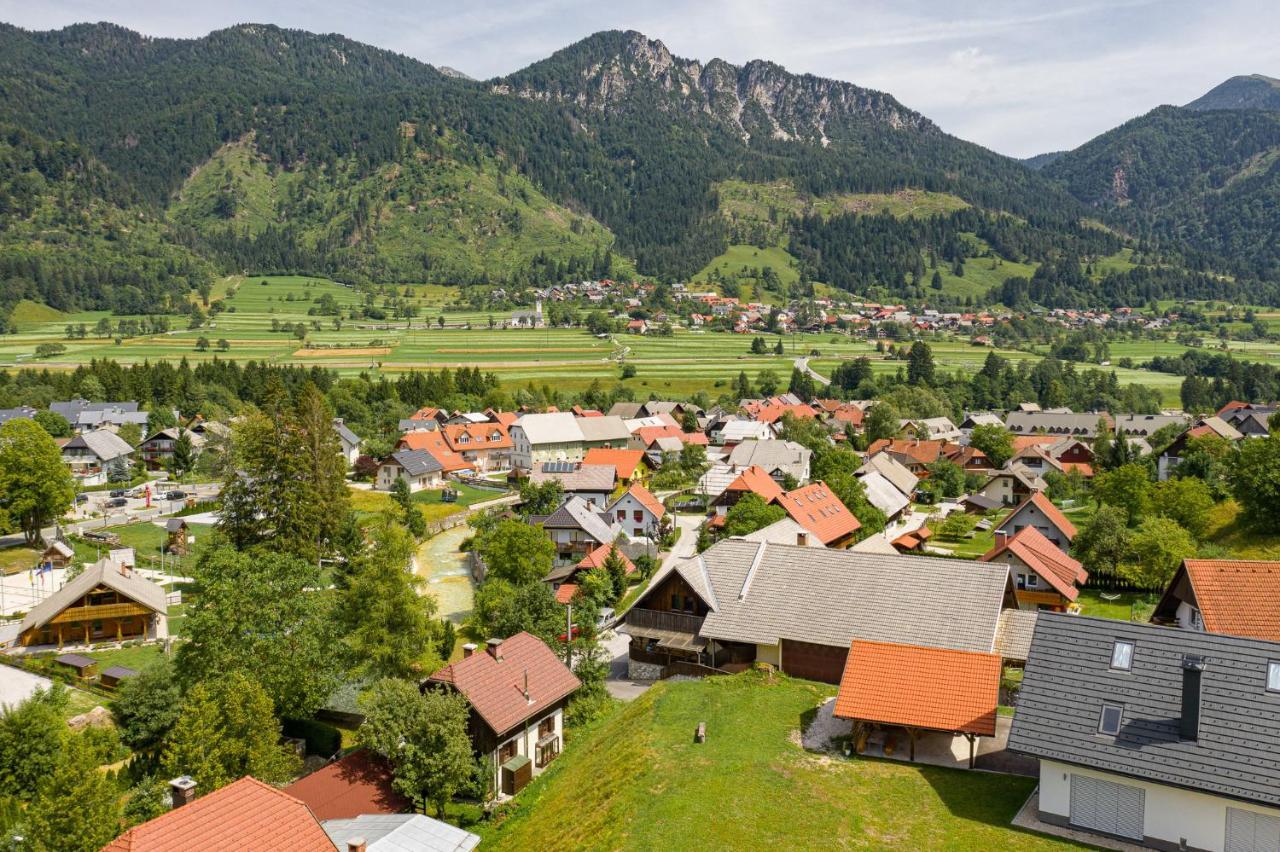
{"x":642,"y":496}
{"x":756,"y":480}
{"x":816,"y":508}
{"x":775,"y":411}
{"x":597,"y":557}
{"x":916,"y":687}
{"x":1045,"y":558}
{"x":564,"y":594}
{"x":478,"y":436}
{"x":1052,"y":512}
{"x":359,"y":783}
{"x":1021,"y":442}
{"x":506,"y":418}
{"x":435,"y":443}
{"x":1237,"y":597}
{"x":244,"y":815}
{"x":923,"y":452}
{"x":496,"y":689}
{"x":648,"y":434}
{"x":624,"y":462}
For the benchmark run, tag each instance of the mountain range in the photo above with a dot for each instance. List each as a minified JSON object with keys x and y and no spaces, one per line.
{"x":134,"y":170}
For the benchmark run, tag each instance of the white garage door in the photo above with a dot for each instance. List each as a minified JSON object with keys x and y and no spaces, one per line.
{"x":1252,"y":832}
{"x":1107,"y":806}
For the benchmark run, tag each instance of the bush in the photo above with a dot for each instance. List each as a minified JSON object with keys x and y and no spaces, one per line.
{"x":322,"y":739}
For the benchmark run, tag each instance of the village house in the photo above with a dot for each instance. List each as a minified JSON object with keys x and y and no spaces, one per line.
{"x":157,"y":450}
{"x":752,"y":480}
{"x":638,"y":512}
{"x":23,"y":412}
{"x":913,"y":454}
{"x":538,"y":438}
{"x":628,"y":465}
{"x":740,"y":603}
{"x":434,"y":443}
{"x":107,"y":602}
{"x":593,"y":483}
{"x":84,"y":415}
{"x":1205,"y":427}
{"x":882,"y":494}
{"x":1056,"y":423}
{"x":564,"y":579}
{"x":484,"y":445}
{"x":1251,"y":420}
{"x":1146,"y":425}
{"x":779,"y":459}
{"x":931,"y":429}
{"x":1038,"y":511}
{"x":576,"y":528}
{"x":603,"y":432}
{"x":348,"y":440}
{"x":816,"y":508}
{"x":418,"y":468}
{"x":1236,"y":596}
{"x":1044,"y":577}
{"x":1013,"y":484}
{"x":92,"y":456}
{"x":517,"y":690}
{"x":1164,"y":737}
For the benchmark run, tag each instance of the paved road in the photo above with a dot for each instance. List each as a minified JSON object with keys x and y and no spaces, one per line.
{"x":618,"y":684}
{"x":802,"y":364}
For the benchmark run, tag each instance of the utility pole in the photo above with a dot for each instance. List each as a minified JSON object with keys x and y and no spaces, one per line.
{"x":568,"y":635}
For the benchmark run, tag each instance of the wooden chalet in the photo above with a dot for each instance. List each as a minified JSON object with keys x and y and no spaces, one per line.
{"x":108,"y":602}
{"x":1043,"y":576}
{"x":58,"y":554}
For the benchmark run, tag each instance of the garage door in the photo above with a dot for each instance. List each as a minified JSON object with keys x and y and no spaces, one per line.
{"x":1252,"y":832}
{"x":1107,"y":806}
{"x":813,"y":662}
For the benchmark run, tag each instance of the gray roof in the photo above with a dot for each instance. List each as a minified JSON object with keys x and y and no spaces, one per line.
{"x":400,"y":833}
{"x":766,"y":592}
{"x":557,"y":427}
{"x":345,"y":433}
{"x":586,"y":477}
{"x":25,"y":412}
{"x":603,"y":428}
{"x":1013,"y":633}
{"x":175,"y":524}
{"x":882,"y":494}
{"x":737,"y":431}
{"x":891,"y":469}
{"x":418,"y":425}
{"x":625,"y":410}
{"x":72,"y":408}
{"x":787,"y":456}
{"x":1053,"y":423}
{"x":785,"y":531}
{"x":1068,"y":677}
{"x":576,"y":513}
{"x":120,"y":672}
{"x":104,"y":572}
{"x":981,"y":418}
{"x":103,"y":443}
{"x":416,"y":462}
{"x":1146,"y":424}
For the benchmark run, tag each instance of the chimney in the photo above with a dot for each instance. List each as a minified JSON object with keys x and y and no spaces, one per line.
{"x":494,"y":647}
{"x":802,"y":539}
{"x":527,"y":699}
{"x":182,"y":790}
{"x":1189,"y":723}
{"x":356,"y":844}
{"x":1002,"y":538}
{"x":468,"y":649}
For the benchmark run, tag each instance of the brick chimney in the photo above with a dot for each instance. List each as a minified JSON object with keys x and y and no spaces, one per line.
{"x":357,"y":844}
{"x":1002,"y":538}
{"x":468,"y":649}
{"x":494,"y":647}
{"x":182,"y":790}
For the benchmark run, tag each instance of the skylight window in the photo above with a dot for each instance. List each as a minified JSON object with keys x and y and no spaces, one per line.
{"x":1122,"y":655}
{"x":1273,"y":676}
{"x":1109,"y":722}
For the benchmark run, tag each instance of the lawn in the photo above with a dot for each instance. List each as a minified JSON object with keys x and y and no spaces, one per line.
{"x":429,"y":501}
{"x":1128,"y":606}
{"x":636,"y":780}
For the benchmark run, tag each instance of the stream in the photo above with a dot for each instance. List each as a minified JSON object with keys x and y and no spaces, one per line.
{"x":447,"y":576}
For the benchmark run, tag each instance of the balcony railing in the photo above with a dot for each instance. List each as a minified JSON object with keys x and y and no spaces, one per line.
{"x":677,"y":622}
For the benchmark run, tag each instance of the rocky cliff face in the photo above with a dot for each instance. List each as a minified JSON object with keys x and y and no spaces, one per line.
{"x":615,"y":72}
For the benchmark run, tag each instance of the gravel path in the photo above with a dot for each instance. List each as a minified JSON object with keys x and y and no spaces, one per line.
{"x":825,"y":727}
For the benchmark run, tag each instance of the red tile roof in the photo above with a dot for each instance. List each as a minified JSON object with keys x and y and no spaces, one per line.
{"x":922,"y":452}
{"x":1021,"y":442}
{"x":816,"y":508}
{"x":1045,"y":558}
{"x":775,"y":411}
{"x":564,"y":594}
{"x":597,"y":557}
{"x":435,"y":443}
{"x":479,"y":436}
{"x":642,"y":496}
{"x":756,"y":480}
{"x":1050,"y":511}
{"x":245,"y":815}
{"x":624,"y":462}
{"x":935,"y":688}
{"x":506,"y":418}
{"x":496,"y":689}
{"x":359,"y":783}
{"x":648,"y":434}
{"x":1237,"y":597}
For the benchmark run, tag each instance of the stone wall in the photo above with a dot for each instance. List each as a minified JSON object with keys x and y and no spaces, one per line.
{"x":643,"y":671}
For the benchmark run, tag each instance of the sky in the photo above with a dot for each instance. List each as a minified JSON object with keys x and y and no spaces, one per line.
{"x":1021,"y":78}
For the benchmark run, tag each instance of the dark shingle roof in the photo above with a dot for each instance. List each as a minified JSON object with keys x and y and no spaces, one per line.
{"x":417,"y":462}
{"x":1069,"y":676}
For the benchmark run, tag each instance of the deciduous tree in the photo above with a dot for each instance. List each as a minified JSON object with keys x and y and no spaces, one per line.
{"x":35,"y":486}
{"x":1255,"y":481}
{"x":516,"y":552}
{"x":996,"y":442}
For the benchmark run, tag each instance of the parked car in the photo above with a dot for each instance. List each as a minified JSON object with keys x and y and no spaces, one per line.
{"x":117,"y":502}
{"x":606,"y":616}
{"x":82,"y":498}
{"x":576,"y":634}
{"x":120,"y":492}
{"x":176,"y":495}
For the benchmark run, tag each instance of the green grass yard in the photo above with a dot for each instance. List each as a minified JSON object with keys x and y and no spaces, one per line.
{"x":636,"y":780}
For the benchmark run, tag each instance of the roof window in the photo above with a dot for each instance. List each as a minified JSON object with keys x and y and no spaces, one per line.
{"x":1122,"y":655}
{"x":1273,"y":676}
{"x":1109,"y":719}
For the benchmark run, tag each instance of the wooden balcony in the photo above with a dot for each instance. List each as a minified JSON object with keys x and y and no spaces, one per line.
{"x":672,"y":622}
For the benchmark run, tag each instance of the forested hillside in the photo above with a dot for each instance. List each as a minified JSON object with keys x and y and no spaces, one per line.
{"x":134,"y":170}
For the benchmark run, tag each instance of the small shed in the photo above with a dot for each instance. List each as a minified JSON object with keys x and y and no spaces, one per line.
{"x":84,"y":667}
{"x":516,"y":773}
{"x":58,"y":554}
{"x":112,"y":677}
{"x":178,"y":534}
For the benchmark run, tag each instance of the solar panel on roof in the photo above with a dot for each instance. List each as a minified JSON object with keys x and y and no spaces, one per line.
{"x":559,"y":467}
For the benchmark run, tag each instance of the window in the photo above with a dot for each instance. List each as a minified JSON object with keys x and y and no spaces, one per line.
{"x":547,"y":726}
{"x":637,"y":516}
{"x":1032,"y":581}
{"x":1122,"y":655}
{"x":622,"y":514}
{"x":675,"y":602}
{"x":1109,"y":721}
{"x":1273,"y":676}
